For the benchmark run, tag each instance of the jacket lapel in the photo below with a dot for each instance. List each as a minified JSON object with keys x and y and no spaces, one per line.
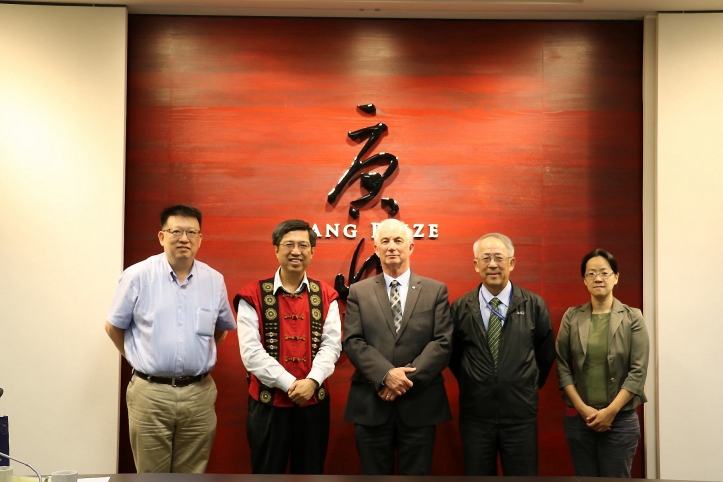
{"x":476,"y":312}
{"x":415,"y":286}
{"x":515,"y":302}
{"x":385,"y":306}
{"x":616,"y":317}
{"x":583,"y":326}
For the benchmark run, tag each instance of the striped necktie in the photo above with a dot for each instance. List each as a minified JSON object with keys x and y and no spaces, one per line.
{"x":396,"y":301}
{"x":494,"y":330}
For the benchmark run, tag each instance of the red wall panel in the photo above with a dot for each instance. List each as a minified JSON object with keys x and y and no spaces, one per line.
{"x":533,"y":129}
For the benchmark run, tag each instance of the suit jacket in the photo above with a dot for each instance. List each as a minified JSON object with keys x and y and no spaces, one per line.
{"x":628,"y":349}
{"x":374,"y":347}
{"x":508,"y":394}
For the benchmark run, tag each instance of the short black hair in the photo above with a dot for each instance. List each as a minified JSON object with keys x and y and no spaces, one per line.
{"x":289,"y":225}
{"x":183,"y":210}
{"x":594,"y":254}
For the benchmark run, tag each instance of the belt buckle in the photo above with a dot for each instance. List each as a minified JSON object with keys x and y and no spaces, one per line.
{"x":173,"y":382}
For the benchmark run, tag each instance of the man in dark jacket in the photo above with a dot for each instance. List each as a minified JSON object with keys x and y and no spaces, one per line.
{"x":502,"y":351}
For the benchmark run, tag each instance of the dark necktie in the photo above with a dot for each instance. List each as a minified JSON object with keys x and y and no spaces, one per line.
{"x":396,"y":301}
{"x":494,"y":330}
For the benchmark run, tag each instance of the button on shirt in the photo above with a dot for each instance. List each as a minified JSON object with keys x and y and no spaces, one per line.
{"x":403,"y":287}
{"x":265,"y":367}
{"x":504,"y":296}
{"x":170,"y":325}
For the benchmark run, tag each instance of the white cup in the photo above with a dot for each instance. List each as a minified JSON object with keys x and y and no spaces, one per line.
{"x":64,"y":476}
{"x":6,"y":474}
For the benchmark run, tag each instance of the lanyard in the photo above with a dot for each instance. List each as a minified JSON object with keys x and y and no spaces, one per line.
{"x":491,"y":308}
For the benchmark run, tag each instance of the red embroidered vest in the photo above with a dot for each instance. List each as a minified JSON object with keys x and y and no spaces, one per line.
{"x":291,"y":326}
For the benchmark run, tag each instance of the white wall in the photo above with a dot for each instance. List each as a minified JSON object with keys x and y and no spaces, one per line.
{"x":689,"y":237}
{"x":62,"y":162}
{"x":650,"y":113}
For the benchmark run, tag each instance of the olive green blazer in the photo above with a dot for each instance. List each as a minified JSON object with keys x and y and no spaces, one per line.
{"x":628,"y":350}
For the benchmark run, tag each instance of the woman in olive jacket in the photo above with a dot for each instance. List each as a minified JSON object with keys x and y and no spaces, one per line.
{"x":602,"y":361}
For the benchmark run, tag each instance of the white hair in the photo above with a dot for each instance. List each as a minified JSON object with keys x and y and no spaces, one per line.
{"x":391,"y":222}
{"x":505,"y":240}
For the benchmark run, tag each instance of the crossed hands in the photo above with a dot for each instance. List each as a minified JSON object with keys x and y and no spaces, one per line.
{"x":396,"y":383}
{"x":598,"y":420}
{"x":302,"y":390}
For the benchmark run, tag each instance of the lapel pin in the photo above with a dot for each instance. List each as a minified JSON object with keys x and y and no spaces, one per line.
{"x":414,"y":287}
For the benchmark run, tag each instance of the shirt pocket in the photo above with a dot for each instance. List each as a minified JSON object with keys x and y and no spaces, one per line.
{"x":205,"y":322}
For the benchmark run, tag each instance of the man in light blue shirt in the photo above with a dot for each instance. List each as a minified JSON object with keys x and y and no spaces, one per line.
{"x":168,"y":314}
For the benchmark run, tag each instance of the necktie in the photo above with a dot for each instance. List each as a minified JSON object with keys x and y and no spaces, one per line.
{"x":494,"y":330}
{"x":396,"y":301}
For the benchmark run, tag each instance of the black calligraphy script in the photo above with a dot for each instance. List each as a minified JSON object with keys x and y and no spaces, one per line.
{"x":372,"y":182}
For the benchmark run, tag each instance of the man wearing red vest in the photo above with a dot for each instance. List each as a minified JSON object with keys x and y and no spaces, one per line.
{"x":290,"y":338}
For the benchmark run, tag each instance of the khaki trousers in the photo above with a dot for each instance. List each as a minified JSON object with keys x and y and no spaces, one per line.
{"x":171,"y":428}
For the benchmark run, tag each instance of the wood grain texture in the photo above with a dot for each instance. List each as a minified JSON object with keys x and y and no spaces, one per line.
{"x":533,"y":129}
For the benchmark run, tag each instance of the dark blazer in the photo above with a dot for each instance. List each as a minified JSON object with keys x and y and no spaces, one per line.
{"x":527,"y":352}
{"x":374,"y":347}
{"x":628,"y":351}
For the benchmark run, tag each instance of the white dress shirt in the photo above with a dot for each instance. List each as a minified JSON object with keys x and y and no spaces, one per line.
{"x":265,"y":367}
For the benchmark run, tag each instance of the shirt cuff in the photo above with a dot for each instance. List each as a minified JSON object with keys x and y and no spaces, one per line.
{"x":285,"y":381}
{"x":317,"y":375}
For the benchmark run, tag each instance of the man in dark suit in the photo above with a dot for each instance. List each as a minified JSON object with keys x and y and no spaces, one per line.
{"x":504,"y":348}
{"x":397,"y":334}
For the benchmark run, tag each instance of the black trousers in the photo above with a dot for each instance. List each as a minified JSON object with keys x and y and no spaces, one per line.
{"x":414,"y":447}
{"x":516,"y":444}
{"x":279,"y":434}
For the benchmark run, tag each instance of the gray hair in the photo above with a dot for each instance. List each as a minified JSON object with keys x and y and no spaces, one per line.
{"x":505,"y":240}
{"x":397,"y":223}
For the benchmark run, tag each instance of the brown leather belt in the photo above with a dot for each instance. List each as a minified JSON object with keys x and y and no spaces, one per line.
{"x":172,"y":381}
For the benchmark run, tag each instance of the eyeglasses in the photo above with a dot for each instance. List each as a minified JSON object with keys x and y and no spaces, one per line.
{"x":498,"y":259}
{"x":177,"y":233}
{"x":594,"y":274}
{"x":290,"y":246}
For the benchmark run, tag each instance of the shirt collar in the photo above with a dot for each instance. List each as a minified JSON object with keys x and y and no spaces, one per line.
{"x":277,"y":282}
{"x":172,"y":274}
{"x":403,"y":278}
{"x":504,"y":295}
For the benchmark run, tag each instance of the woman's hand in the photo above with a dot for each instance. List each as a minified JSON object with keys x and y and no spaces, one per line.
{"x":601,"y":420}
{"x":586,"y":411}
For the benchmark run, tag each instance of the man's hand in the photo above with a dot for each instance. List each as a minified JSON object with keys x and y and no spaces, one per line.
{"x":302,"y":390}
{"x":601,"y":420}
{"x":387,"y":395}
{"x":397,"y":381}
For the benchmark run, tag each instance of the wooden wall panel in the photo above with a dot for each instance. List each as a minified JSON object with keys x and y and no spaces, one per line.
{"x":533,"y":129}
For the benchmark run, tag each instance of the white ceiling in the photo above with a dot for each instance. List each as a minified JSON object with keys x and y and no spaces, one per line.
{"x":493,"y":9}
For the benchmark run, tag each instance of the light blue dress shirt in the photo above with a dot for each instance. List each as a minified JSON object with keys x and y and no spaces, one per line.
{"x":170,"y":326}
{"x":505,"y":296}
